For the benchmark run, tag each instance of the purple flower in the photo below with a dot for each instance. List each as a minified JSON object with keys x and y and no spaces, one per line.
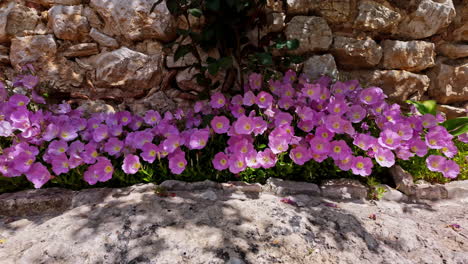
{"x":324,"y":133}
{"x":264,"y":99}
{"x":312,"y":91}
{"x":249,"y":98}
{"x":299,"y":155}
{"x":38,"y":175}
{"x":90,"y":153}
{"x":418,"y":147}
{"x":150,"y":152}
{"x":220,"y":124}
{"x":339,"y":150}
{"x":198,"y":139}
{"x":177,"y":162}
{"x":428,"y":121}
{"x":251,"y":160}
{"x":371,"y":95}
{"x":23,"y":162}
{"x":57,"y":147}
{"x":220,"y":161}
{"x":131,"y":164}
{"x":319,"y":145}
{"x":361,"y":166}
{"x":244,"y":125}
{"x":5,"y":129}
{"x":356,"y":113}
{"x":18,"y":100}
{"x":335,"y":123}
{"x":124,"y":117}
{"x":68,"y":132}
{"x":337,"y":106}
{"x":152,"y":117}
{"x":435,"y":163}
{"x":217,"y":100}
{"x":385,"y":157}
{"x":345,"y":164}
{"x":113,"y":146}
{"x":389,"y":139}
{"x":450,"y":169}
{"x":37,"y":98}
{"x":255,"y":81}
{"x":60,"y":164}
{"x":171,"y":143}
{"x":278,"y":145}
{"x":100,"y":133}
{"x":267,"y":158}
{"x":364,"y":141}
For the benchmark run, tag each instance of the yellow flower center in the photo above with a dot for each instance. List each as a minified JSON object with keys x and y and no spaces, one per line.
{"x":262,"y":99}
{"x":368,"y":98}
{"x":240,"y":164}
{"x":124,"y":119}
{"x":152,"y":153}
{"x":319,"y":147}
{"x":108,"y":169}
{"x":181,"y":164}
{"x":360,"y":165}
{"x":298,"y":155}
{"x":337,"y":109}
{"x":219,"y":125}
{"x":21,"y":103}
{"x":64,"y":134}
{"x":61,"y":150}
{"x":310,"y":92}
{"x":247,"y":126}
{"x":220,"y":101}
{"x":337,"y":149}
{"x":389,"y":141}
{"x":223,"y":161}
{"x":324,"y":134}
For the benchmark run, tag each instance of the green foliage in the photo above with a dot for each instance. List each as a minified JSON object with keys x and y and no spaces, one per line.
{"x":418,"y":168}
{"x":376,"y":191}
{"x":425,"y":107}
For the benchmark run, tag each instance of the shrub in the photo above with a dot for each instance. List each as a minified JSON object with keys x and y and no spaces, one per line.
{"x":287,"y":128}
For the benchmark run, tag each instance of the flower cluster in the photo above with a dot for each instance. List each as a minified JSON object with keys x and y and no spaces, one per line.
{"x":297,"y":119}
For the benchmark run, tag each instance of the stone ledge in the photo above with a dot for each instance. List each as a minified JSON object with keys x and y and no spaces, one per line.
{"x":344,"y":189}
{"x":282,"y":188}
{"x":423,"y":191}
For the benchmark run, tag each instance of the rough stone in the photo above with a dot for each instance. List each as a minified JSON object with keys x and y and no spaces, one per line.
{"x":22,"y":21}
{"x":403,"y":180}
{"x":68,"y":22}
{"x":457,"y":189}
{"x":5,"y":59}
{"x":320,"y":65}
{"x":242,"y":186}
{"x":134,"y":225}
{"x":399,"y":86}
{"x":351,"y":52}
{"x":150,"y":47}
{"x":186,"y":80}
{"x":283,"y":188}
{"x":429,"y":18}
{"x":48,"y":3}
{"x":344,"y":189}
{"x":103,"y":39}
{"x":392,"y":194}
{"x":452,"y":111}
{"x":334,"y":11}
{"x":127,"y":69}
{"x":95,"y":106}
{"x":92,"y":17}
{"x":33,"y":202}
{"x":5,"y":8}
{"x":408,"y":55}
{"x":377,"y":17}
{"x":37,"y":50}
{"x":133,"y":21}
{"x":453,"y":51}
{"x":80,"y":50}
{"x":459,"y":28}
{"x":312,"y":32}
{"x":449,"y":81}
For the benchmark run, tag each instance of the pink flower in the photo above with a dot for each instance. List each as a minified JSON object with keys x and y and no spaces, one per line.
{"x":450,"y":169}
{"x":385,"y":157}
{"x":264,"y":99}
{"x":198,"y":139}
{"x":38,"y":175}
{"x":237,"y":163}
{"x":339,"y":150}
{"x":177,"y":162}
{"x":217,"y":100}
{"x":255,"y":81}
{"x":435,"y":163}
{"x":220,"y":124}
{"x":131,"y":164}
{"x":244,"y":125}
{"x":150,"y":152}
{"x":267,"y":158}
{"x":362,"y":166}
{"x":220,"y":161}
{"x":299,"y":155}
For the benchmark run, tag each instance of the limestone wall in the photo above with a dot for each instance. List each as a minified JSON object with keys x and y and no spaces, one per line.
{"x":112,"y":50}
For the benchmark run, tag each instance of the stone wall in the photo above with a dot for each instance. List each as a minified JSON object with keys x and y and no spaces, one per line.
{"x":113,"y":50}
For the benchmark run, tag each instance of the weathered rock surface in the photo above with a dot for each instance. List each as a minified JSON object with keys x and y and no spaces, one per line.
{"x":282,"y":188}
{"x":133,"y":21}
{"x":21,"y":21}
{"x":399,"y":86}
{"x":68,"y":22}
{"x":408,"y":55}
{"x":350,"y":52}
{"x":134,"y":225}
{"x":449,"y":81}
{"x":344,"y":189}
{"x":334,"y":11}
{"x":453,"y":51}
{"x":5,"y":8}
{"x":312,"y":32}
{"x":319,"y":65}
{"x":377,"y":17}
{"x":129,"y":69}
{"x":103,"y":39}
{"x":95,"y":106}
{"x":452,"y":111}
{"x":429,"y":18}
{"x":81,"y":50}
{"x":38,"y":50}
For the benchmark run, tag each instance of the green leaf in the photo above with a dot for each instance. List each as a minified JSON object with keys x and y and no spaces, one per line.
{"x":262,"y":146}
{"x":265,"y":58}
{"x":213,"y":5}
{"x":451,"y":124}
{"x":195,"y":12}
{"x":461,"y":130}
{"x":431,"y":106}
{"x":292,"y":44}
{"x":421,"y":108}
{"x":225,"y":62}
{"x":181,"y":51}
{"x":213,"y":68}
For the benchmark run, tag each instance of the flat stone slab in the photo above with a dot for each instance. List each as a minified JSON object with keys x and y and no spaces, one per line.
{"x":344,"y":189}
{"x":136,"y":225}
{"x":282,"y":187}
